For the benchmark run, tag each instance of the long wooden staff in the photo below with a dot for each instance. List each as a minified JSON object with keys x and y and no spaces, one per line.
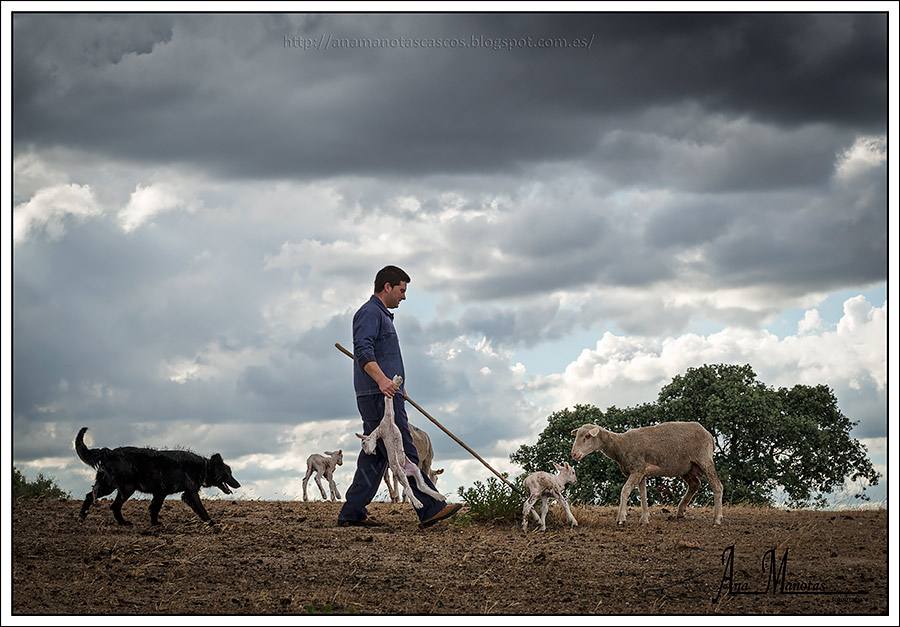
{"x":338,"y":346}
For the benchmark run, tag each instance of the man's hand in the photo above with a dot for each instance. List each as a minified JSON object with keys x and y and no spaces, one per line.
{"x":388,"y":387}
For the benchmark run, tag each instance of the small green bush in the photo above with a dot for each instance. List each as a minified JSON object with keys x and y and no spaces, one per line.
{"x":42,"y":487}
{"x":493,"y":501}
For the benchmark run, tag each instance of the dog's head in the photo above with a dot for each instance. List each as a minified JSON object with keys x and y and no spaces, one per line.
{"x":218,"y":474}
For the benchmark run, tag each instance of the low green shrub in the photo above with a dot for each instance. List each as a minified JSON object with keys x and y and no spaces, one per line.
{"x":492,"y":501}
{"x":41,"y":487}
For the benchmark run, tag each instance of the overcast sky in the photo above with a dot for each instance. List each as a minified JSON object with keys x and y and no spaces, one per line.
{"x":588,"y":205}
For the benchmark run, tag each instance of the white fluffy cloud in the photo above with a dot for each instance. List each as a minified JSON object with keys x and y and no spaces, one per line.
{"x":623,"y":370}
{"x":146,"y":202}
{"x":49,"y":209}
{"x":866,"y":153}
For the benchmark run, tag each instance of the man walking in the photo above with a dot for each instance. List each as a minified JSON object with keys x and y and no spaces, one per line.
{"x":377,"y":359}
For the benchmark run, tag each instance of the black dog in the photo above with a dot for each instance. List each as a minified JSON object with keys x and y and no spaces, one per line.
{"x":159,"y":473}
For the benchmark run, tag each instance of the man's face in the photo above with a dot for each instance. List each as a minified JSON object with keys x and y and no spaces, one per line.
{"x":394,"y":295}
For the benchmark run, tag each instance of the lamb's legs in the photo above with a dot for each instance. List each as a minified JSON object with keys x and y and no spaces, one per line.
{"x":645,"y":513}
{"x":391,"y":486}
{"x":545,"y":503}
{"x":565,"y":503}
{"x":413,"y":471}
{"x":407,"y":490}
{"x":319,"y":483}
{"x":529,"y":507}
{"x":332,"y":487}
{"x":633,"y":479}
{"x":309,"y":472}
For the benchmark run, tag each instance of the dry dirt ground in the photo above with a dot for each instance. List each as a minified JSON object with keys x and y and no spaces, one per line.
{"x":290,"y":558}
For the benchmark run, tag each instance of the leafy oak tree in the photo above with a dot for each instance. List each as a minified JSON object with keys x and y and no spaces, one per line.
{"x":794,"y":440}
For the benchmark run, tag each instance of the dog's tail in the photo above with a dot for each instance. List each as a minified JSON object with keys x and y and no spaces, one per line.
{"x":89,"y":456}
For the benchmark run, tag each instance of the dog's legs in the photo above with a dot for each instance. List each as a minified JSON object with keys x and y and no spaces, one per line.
{"x":193,"y":501}
{"x":86,"y":505}
{"x":101,"y":488}
{"x":122,"y":495}
{"x":156,"y":505}
{"x":319,"y":483}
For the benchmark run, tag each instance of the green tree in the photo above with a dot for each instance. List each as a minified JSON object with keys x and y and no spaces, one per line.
{"x":796,"y":440}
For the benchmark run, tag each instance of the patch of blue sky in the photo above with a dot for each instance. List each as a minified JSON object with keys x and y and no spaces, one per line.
{"x":553,"y":357}
{"x":831,"y":310}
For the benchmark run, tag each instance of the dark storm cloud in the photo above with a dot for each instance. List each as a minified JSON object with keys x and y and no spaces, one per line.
{"x":92,"y":335}
{"x":532,"y":193}
{"x":226,"y":93}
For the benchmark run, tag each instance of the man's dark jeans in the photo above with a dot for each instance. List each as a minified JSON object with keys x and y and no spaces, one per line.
{"x":370,"y":468}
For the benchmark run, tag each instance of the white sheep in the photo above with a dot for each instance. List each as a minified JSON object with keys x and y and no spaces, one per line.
{"x":669,"y":449}
{"x":426,"y":457}
{"x":389,"y":433}
{"x":324,"y":465}
{"x":543,"y":485}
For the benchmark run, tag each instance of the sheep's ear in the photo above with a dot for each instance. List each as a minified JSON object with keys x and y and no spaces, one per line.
{"x":329,"y":452}
{"x":594,"y":432}
{"x":557,"y":466}
{"x":361,"y":437}
{"x":439,"y":471}
{"x":574,"y":432}
{"x":340,"y":451}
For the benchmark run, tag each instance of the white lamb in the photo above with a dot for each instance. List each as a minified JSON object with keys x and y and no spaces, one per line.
{"x":398,"y":462}
{"x":543,"y":485}
{"x":422,"y":442}
{"x":669,"y":449}
{"x":324,"y":466}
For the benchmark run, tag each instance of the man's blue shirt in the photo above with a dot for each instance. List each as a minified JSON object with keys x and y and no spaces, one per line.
{"x":375,"y":339}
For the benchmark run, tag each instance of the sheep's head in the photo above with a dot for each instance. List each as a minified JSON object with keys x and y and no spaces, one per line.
{"x":434,"y":475}
{"x":587,"y":440}
{"x":368,"y":442}
{"x":566,"y":473}
{"x":337,"y":456}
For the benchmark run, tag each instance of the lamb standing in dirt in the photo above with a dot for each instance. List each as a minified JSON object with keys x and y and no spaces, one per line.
{"x":426,"y":457}
{"x":324,"y":465}
{"x":543,"y":485}
{"x":669,"y":449}
{"x":398,"y":462}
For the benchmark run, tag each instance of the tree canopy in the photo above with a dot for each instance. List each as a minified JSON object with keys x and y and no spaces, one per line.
{"x":791,"y":442}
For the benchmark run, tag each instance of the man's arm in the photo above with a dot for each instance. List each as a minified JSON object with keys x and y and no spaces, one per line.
{"x":387,"y":386}
{"x":365,"y":329}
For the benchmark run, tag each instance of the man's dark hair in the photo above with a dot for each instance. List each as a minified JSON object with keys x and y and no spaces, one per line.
{"x":390,"y":274}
